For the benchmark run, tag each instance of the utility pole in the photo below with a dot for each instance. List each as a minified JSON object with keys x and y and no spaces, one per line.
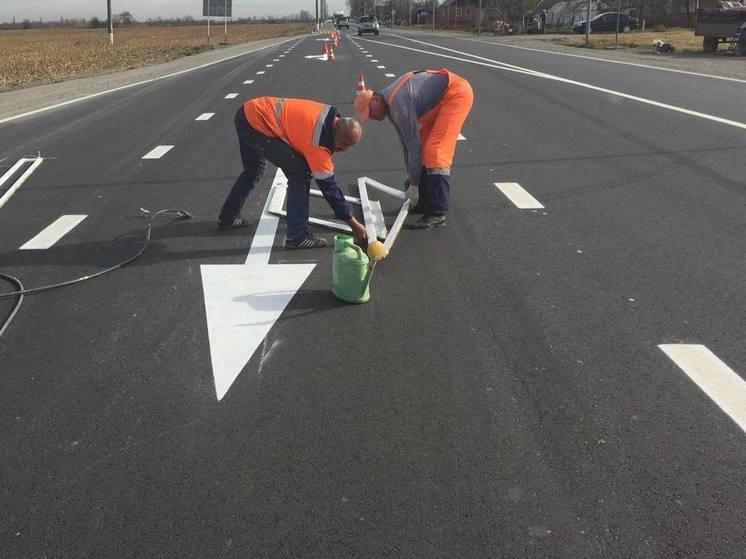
{"x":479,"y":29}
{"x":225,"y":22}
{"x":317,"y":16}
{"x":588,"y":24}
{"x":435,"y":5}
{"x":111,"y":25}
{"x":618,"y":10}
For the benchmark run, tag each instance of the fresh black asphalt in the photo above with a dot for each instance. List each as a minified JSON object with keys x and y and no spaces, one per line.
{"x":501,"y":395}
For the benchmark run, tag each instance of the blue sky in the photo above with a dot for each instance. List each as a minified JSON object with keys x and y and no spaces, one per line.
{"x":143,"y":9}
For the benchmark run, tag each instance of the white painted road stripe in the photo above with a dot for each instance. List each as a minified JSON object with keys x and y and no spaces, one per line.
{"x":248,"y":82}
{"x":54,"y":232}
{"x":231,"y":96}
{"x":16,"y":185}
{"x":715,"y":378}
{"x":461,"y":137}
{"x":157,"y":152}
{"x":205,"y":116}
{"x":381,"y":67}
{"x":269,"y":65}
{"x":527,"y":71}
{"x":260,"y":72}
{"x":518,"y":196}
{"x":389,"y":75}
{"x":374,"y":60}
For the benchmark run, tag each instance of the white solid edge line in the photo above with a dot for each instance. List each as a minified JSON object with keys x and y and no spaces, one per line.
{"x":528,"y":72}
{"x":205,"y":116}
{"x":53,"y":232}
{"x":157,"y":152}
{"x":16,"y":185}
{"x":625,"y":63}
{"x":519,"y":196}
{"x":585,"y":56}
{"x":143,"y":82}
{"x":715,"y":378}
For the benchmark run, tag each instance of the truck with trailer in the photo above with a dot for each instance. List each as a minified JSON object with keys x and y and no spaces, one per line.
{"x":722,"y":22}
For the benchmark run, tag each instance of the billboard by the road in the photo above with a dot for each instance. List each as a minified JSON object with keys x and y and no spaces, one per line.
{"x":217,"y":8}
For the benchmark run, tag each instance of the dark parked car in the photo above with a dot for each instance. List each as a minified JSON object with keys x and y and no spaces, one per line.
{"x":607,"y":22}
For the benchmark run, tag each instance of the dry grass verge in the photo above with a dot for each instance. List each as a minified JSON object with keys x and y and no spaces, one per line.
{"x":37,"y":56}
{"x":683,"y":39}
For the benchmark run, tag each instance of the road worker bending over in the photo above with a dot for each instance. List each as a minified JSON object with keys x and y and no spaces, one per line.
{"x":428,"y":109}
{"x":298,"y":136}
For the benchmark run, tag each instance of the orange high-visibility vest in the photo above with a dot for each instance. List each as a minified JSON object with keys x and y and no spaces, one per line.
{"x":299,"y":123}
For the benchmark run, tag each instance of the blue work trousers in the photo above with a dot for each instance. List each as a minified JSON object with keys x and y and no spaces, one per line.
{"x":256,"y":149}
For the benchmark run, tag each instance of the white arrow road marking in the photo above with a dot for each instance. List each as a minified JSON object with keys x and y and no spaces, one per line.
{"x":715,"y":378}
{"x":242,"y":302}
{"x":54,"y":232}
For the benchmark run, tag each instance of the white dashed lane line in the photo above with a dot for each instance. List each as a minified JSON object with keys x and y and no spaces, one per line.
{"x":516,"y":194}
{"x":157,"y":152}
{"x":389,"y":75}
{"x":380,"y":67}
{"x":260,"y":72}
{"x":54,"y":232}
{"x":715,"y":378}
{"x":268,"y":65}
{"x":248,"y":82}
{"x":231,"y":96}
{"x":205,"y":116}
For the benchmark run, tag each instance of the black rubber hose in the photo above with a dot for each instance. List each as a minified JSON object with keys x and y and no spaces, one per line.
{"x":21,"y":292}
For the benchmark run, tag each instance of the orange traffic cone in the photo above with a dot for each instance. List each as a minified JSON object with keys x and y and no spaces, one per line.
{"x":360,"y":85}
{"x":325,"y":51}
{"x":331,"y":54}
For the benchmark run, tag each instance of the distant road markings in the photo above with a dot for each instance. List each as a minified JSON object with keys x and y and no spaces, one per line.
{"x":461,"y":137}
{"x":282,"y":56}
{"x":369,"y":55}
{"x":275,"y":60}
{"x":374,"y":60}
{"x":248,"y":82}
{"x":260,"y":72}
{"x":205,"y":116}
{"x":715,"y":378}
{"x":231,"y":96}
{"x":268,"y":65}
{"x":516,"y":194}
{"x":157,"y":152}
{"x":389,"y":75}
{"x":54,"y":232}
{"x":381,"y":67}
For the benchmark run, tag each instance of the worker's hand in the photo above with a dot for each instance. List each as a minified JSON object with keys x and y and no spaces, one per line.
{"x":358,"y":229}
{"x":412,"y":194}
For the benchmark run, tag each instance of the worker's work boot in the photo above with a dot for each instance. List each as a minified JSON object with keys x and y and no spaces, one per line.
{"x":309,"y":240}
{"x":427,"y":222}
{"x":237,"y":223}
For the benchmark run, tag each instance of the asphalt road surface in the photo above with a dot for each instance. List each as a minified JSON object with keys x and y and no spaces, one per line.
{"x":562,"y":381}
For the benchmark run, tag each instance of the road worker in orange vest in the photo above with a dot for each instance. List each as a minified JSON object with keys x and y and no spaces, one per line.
{"x":428,"y":109}
{"x":298,"y":136}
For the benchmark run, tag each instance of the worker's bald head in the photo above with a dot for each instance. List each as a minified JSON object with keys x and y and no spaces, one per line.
{"x":347,"y":132}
